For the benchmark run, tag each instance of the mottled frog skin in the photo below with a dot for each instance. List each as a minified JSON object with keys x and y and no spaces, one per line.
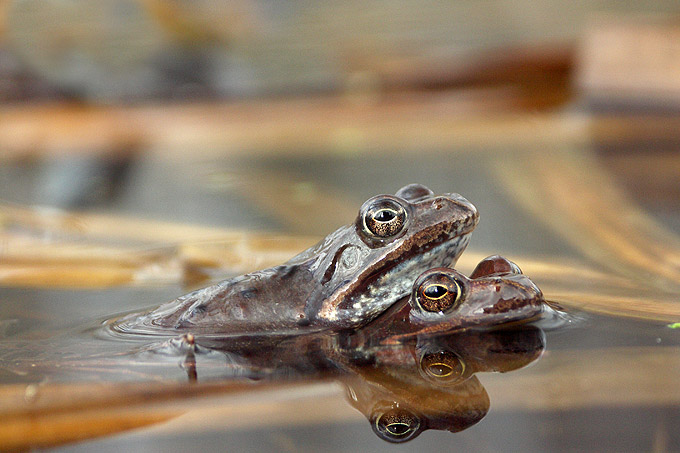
{"x":345,"y":281}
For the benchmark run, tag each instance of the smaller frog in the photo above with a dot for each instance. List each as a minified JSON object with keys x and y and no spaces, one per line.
{"x":444,"y":300}
{"x":497,"y":292}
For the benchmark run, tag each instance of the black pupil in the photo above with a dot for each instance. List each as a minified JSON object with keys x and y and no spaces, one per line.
{"x":398,"y":429}
{"x":384,"y":215}
{"x":434,"y":291}
{"x":440,"y":369}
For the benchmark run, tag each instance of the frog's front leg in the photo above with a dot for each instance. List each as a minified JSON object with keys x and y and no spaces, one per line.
{"x":188,"y":364}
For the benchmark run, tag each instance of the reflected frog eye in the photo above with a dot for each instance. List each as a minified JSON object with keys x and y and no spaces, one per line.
{"x":442,"y":367}
{"x":438,"y":291}
{"x":384,"y":218}
{"x":396,"y":424}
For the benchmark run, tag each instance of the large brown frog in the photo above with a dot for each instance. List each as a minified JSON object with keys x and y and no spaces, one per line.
{"x":343,"y":282}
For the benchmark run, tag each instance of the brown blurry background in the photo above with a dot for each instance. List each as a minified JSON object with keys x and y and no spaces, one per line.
{"x":93,"y":86}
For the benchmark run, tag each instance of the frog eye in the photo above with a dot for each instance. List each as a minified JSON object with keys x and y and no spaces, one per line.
{"x":396,"y":424}
{"x":442,"y":367}
{"x":384,"y":217}
{"x":438,"y":291}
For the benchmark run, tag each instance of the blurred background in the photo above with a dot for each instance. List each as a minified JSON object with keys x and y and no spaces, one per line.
{"x":214,"y":111}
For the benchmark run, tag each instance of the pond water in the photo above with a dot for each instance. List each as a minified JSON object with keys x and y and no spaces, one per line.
{"x":601,"y":376}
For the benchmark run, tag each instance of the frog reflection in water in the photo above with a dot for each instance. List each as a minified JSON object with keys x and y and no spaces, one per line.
{"x":346,"y":280}
{"x":448,"y":315}
{"x":430,"y":383}
{"x":412,"y":369}
{"x":409,"y":370}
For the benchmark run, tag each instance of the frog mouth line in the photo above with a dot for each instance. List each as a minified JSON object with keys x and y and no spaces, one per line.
{"x":395,"y":277}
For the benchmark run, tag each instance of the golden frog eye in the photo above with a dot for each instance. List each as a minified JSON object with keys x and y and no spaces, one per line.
{"x":396,"y":425}
{"x":443,"y":367}
{"x":438,"y":291}
{"x":384,"y":218}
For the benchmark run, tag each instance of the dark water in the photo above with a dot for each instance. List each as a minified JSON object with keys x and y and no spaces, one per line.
{"x":429,"y":385}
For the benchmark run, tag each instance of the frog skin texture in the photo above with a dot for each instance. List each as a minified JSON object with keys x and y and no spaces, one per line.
{"x":343,"y":282}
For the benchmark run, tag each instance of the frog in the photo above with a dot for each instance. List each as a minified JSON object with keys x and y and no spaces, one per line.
{"x":343,"y":282}
{"x":443,"y":304}
{"x":444,"y":300}
{"x":418,"y":374}
{"x":456,"y":326}
{"x":496,"y":294}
